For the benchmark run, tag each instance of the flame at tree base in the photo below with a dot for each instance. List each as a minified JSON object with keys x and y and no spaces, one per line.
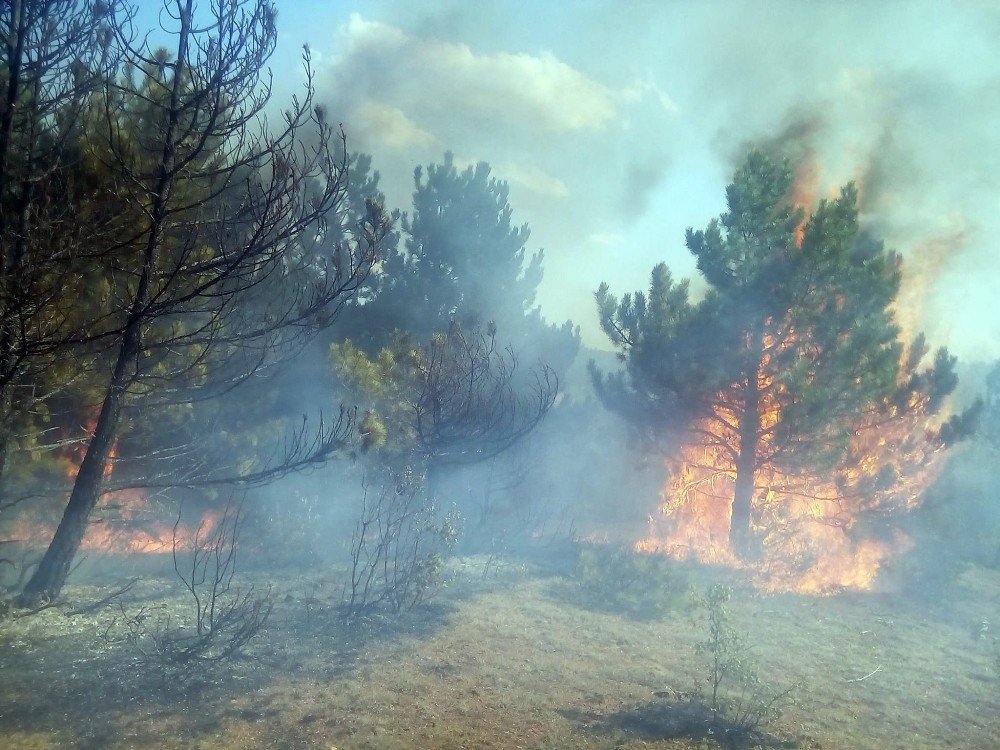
{"x":124,"y":523}
{"x":816,"y":535}
{"x":133,"y":526}
{"x":809,"y":555}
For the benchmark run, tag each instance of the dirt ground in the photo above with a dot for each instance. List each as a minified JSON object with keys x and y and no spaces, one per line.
{"x":514,"y":660}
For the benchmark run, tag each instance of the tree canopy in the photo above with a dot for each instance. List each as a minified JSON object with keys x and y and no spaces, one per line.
{"x":214,"y":255}
{"x":460,"y":258}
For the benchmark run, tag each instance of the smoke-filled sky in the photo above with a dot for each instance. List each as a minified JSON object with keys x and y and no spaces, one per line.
{"x":617,"y":125}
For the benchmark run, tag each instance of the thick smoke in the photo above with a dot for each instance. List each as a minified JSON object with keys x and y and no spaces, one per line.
{"x":617,"y":124}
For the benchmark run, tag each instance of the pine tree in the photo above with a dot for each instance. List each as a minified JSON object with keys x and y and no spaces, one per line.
{"x":461,"y":234}
{"x":792,"y":347}
{"x":217,"y":255}
{"x":464,"y":261}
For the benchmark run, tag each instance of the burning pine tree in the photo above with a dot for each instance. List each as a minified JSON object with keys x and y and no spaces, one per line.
{"x":797,"y":421}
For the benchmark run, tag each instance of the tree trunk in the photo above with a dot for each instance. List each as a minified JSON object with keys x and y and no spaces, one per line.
{"x":741,"y":536}
{"x":740,"y":532}
{"x":6,"y":412}
{"x":52,"y":572}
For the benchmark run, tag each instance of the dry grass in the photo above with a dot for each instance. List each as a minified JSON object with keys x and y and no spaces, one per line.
{"x":510,"y":663}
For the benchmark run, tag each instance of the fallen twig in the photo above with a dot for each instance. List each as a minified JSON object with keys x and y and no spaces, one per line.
{"x":35,"y":610}
{"x":874,"y":671}
{"x":88,"y":608}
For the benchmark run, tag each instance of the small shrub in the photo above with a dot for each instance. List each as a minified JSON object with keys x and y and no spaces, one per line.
{"x":399,"y":548}
{"x":622,"y":580}
{"x":224,"y":616}
{"x":740,"y":701}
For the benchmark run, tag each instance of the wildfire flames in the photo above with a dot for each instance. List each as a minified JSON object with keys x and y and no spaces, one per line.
{"x":124,"y":522}
{"x":805,"y":188}
{"x":819,"y":535}
{"x":820,"y":532}
{"x":130,"y":525}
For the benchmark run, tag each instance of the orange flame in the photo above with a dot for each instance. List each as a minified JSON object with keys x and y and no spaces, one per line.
{"x":820,"y":533}
{"x":816,"y":531}
{"x":124,"y":522}
{"x":805,"y":189}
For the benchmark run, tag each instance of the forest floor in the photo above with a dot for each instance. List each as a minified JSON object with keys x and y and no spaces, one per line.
{"x":513,"y":660}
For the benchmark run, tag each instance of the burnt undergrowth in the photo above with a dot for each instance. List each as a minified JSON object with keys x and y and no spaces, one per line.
{"x":593,"y":678}
{"x":100,"y":688}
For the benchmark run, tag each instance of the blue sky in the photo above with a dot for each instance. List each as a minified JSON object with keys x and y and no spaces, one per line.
{"x":618,"y":123}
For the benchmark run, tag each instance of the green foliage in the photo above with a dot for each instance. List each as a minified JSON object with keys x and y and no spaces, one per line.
{"x":373,"y":431}
{"x":620,"y":580}
{"x":741,"y":701}
{"x":200,"y":232}
{"x":389,"y":383}
{"x":462,"y":260}
{"x":811,"y":322}
{"x":462,"y":224}
{"x":453,"y":400}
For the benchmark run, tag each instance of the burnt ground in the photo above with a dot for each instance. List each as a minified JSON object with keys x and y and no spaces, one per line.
{"x":507,"y":661}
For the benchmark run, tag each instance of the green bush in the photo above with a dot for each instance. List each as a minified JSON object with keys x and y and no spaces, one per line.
{"x":621,"y":580}
{"x":742,"y":703}
{"x":399,"y":549}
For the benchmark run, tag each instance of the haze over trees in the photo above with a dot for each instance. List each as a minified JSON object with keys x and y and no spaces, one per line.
{"x":209,"y":245}
{"x":445,"y":347}
{"x":192,"y":277}
{"x":459,"y":258}
{"x":459,"y":399}
{"x":313,"y":462}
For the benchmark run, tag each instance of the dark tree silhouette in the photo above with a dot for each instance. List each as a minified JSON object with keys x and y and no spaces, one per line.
{"x":219,"y":266}
{"x":55,"y":54}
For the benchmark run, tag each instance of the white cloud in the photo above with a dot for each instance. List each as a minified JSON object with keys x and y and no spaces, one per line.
{"x":534,"y":179}
{"x":391,"y":127}
{"x":447,"y":87}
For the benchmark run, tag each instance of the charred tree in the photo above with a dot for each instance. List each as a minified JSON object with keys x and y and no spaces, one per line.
{"x":398,"y":547}
{"x":220,"y":267}
{"x":749,"y":428}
